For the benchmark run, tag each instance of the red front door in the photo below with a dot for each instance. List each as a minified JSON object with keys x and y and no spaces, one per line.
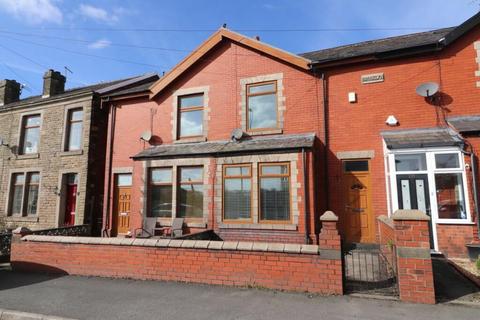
{"x":70,"y":205}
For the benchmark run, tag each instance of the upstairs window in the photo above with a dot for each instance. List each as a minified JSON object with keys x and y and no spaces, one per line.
{"x":262,"y":106}
{"x":74,"y":130}
{"x":191,"y":115}
{"x":30,"y":135}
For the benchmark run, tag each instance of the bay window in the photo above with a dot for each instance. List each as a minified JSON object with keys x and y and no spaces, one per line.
{"x":190,"y":195}
{"x":160,"y":193}
{"x":274,"y":185}
{"x":237,"y":192}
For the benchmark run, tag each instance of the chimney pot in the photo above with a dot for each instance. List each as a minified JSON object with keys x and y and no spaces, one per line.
{"x":9,"y":91}
{"x":53,"y":83}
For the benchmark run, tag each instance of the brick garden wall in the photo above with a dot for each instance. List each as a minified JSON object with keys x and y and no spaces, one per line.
{"x":276,"y":266}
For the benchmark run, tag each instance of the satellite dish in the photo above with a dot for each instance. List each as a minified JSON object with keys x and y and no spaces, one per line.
{"x":427,"y":89}
{"x":146,"y":136}
{"x":237,"y":134}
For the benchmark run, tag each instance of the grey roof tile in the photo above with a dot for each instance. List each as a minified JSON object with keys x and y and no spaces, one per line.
{"x":465,"y":123}
{"x":378,"y":46}
{"x":421,"y":138}
{"x":270,"y":143}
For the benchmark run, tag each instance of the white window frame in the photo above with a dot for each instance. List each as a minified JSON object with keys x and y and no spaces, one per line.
{"x":430,"y":172}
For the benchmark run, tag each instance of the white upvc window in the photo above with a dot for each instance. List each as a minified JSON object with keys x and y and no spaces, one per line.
{"x":447,"y":182}
{"x":431,"y":180}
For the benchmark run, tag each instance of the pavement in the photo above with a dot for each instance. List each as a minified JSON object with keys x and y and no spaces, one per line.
{"x":103,"y":298}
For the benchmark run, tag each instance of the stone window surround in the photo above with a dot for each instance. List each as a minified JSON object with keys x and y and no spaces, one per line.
{"x":21,"y":132}
{"x":174,"y":164}
{"x":21,"y":217}
{"x":175,"y":111}
{"x":58,"y":213}
{"x":255,"y":160}
{"x":64,"y":151}
{"x":476,"y":46}
{"x":360,"y":154}
{"x":278,"y":77}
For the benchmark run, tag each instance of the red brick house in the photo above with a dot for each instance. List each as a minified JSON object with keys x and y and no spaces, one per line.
{"x":174,"y":150}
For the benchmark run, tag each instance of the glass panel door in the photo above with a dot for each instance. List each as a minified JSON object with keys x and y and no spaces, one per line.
{"x":413,"y":194}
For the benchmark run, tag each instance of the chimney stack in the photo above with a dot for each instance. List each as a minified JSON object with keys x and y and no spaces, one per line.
{"x":53,"y":83}
{"x":9,"y":91}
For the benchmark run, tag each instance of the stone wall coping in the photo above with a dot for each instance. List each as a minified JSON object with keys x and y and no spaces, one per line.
{"x":410,"y":215}
{"x":289,"y":248}
{"x":329,"y":216}
{"x":386,"y":220}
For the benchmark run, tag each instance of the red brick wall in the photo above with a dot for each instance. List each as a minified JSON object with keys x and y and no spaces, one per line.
{"x":284,"y":271}
{"x":222,"y":70}
{"x":357,"y":126}
{"x":415,"y":274}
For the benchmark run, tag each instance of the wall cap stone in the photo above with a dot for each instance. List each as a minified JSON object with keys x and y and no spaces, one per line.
{"x":188,"y":244}
{"x":386,"y":220}
{"x":410,"y":215}
{"x":329,"y":216}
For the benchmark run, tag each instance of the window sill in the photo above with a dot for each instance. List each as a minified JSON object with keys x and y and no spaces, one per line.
{"x":467,"y":223}
{"x":258,"y":226}
{"x":16,"y":218}
{"x":190,"y":140}
{"x":71,"y":153}
{"x":28,"y":156}
{"x":167,"y":222}
{"x":265,"y":132}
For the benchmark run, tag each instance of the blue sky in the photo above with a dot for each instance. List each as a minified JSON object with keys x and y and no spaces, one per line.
{"x":99,"y":40}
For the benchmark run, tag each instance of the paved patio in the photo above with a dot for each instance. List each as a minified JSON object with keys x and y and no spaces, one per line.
{"x":99,"y":298}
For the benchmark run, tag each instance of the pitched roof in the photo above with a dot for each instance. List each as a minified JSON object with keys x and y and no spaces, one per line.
{"x":258,"y":144}
{"x":421,"y":42}
{"x":215,"y":39}
{"x":130,"y":85}
{"x":465,"y":123}
{"x":421,"y":138}
{"x":110,"y":87}
{"x":375,"y":47}
{"x":66,"y":94}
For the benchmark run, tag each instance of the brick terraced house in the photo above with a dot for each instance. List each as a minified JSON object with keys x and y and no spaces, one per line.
{"x":254,"y":142}
{"x":53,"y":153}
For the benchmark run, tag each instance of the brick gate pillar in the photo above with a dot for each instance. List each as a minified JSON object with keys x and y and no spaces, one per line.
{"x":414,"y":263}
{"x":330,"y":248}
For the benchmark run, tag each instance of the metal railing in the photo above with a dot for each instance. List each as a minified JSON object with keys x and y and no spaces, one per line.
{"x":5,"y":244}
{"x":370,"y":270}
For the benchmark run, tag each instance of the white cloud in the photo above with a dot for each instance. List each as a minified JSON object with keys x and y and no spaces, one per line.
{"x":33,"y":11}
{"x":100,"y":44}
{"x":99,"y":14}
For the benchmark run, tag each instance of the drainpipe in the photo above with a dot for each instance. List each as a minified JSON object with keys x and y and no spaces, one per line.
{"x":109,"y":171}
{"x":473,"y":164}
{"x":305,"y":197}
{"x":326,"y":138}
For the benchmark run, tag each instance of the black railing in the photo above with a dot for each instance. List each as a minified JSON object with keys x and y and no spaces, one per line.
{"x":5,"y":242}
{"x":83,"y":230}
{"x":370,"y":270}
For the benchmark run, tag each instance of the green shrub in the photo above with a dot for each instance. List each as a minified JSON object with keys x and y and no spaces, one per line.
{"x":478,"y":263}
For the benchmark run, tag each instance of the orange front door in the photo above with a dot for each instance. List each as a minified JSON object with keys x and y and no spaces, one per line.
{"x":122,"y":209}
{"x":358,"y":223}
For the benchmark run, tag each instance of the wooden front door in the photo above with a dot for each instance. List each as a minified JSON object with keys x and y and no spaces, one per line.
{"x":122,"y":196}
{"x":358,"y":222}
